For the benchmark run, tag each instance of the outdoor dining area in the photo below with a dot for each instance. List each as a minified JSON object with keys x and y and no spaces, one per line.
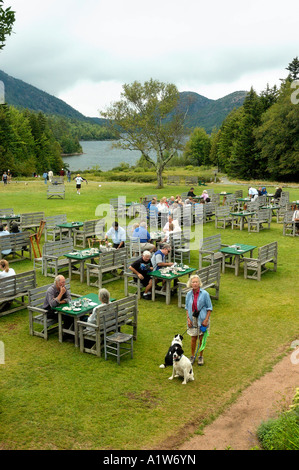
{"x":95,"y":254}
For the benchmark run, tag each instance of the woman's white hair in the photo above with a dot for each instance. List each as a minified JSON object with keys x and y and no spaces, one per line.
{"x":104,"y":296}
{"x":189,"y":283}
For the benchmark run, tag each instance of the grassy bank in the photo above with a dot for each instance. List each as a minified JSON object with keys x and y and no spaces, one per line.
{"x":54,"y":397}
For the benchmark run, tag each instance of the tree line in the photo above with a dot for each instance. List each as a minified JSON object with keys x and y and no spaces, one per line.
{"x":32,"y":142}
{"x":258,"y":140}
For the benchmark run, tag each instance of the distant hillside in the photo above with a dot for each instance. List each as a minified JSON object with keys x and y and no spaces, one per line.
{"x":22,"y":95}
{"x":207,"y":113}
{"x":202,"y":112}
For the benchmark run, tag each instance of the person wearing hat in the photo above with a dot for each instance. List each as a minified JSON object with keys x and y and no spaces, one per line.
{"x":79,"y":179}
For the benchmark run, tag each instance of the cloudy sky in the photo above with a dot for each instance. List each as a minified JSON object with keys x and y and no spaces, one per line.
{"x":83,"y":51}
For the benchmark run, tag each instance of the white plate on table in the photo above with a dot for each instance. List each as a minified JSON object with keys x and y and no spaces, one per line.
{"x":76,"y":309}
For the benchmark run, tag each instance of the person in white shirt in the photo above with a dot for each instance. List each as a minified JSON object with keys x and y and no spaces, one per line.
{"x":104,"y":298}
{"x":3,"y":232}
{"x":295,"y":219}
{"x":253,"y":193}
{"x":79,"y":179}
{"x":117,"y":234}
{"x":5,"y":270}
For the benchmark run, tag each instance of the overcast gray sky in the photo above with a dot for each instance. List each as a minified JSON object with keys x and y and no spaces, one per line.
{"x":83,"y":51}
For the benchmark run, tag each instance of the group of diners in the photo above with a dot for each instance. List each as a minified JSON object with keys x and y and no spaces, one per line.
{"x":168,"y":205}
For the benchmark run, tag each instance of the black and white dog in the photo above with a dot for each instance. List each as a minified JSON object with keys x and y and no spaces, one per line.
{"x":182,"y":366}
{"x":177,"y":341}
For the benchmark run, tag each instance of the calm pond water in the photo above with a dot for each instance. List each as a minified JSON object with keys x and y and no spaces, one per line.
{"x":100,"y":153}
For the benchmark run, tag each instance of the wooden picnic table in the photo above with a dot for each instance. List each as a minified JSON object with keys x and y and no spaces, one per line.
{"x":235,"y":253}
{"x":171,"y":276}
{"x":76,"y":313}
{"x":80,"y":256}
{"x":240,"y":218}
{"x":70,"y":226}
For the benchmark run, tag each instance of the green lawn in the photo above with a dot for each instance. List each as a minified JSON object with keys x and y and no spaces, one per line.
{"x":54,"y":397}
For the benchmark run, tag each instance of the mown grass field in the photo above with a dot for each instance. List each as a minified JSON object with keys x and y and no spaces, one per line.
{"x":54,"y":397}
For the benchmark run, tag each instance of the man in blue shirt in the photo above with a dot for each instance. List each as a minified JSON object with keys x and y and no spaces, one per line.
{"x":159,"y":258}
{"x":145,"y":238}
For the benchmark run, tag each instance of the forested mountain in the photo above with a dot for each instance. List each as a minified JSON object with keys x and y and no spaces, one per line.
{"x":206,"y":113}
{"x":202,"y":112}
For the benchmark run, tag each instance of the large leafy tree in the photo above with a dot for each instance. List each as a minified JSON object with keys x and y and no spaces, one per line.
{"x":198,"y":147}
{"x":7,"y":19}
{"x":141,"y":121}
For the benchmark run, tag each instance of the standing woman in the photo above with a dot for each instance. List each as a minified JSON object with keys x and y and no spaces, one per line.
{"x":198,"y":309}
{"x":79,"y":179}
{"x":5,"y":270}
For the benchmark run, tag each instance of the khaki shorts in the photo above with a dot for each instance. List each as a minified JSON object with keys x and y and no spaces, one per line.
{"x":195,"y":331}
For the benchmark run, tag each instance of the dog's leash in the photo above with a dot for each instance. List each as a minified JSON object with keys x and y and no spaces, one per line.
{"x":203,"y":343}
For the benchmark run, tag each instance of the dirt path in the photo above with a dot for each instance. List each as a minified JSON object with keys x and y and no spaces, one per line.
{"x":236,"y":428}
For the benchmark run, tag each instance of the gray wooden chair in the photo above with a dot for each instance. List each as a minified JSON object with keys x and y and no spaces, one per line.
{"x":116,"y":343}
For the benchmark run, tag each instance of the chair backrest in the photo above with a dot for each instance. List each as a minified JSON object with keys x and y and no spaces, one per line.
{"x":212,"y":243}
{"x":267,"y":252}
{"x":53,"y":220}
{"x":20,"y":283}
{"x":15,"y":241}
{"x":6,"y":212}
{"x":222,"y":211}
{"x":288,"y":217}
{"x":58,"y":248}
{"x":239,"y":193}
{"x":210,"y":274}
{"x":31,"y":218}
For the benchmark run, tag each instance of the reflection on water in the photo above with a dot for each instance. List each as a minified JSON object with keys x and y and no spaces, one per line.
{"x":101,"y":154}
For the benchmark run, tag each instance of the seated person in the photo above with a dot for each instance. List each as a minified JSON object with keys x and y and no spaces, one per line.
{"x":173,"y":221}
{"x":5,"y":270}
{"x":262,"y":191}
{"x":277,"y":194}
{"x":56,"y":295}
{"x":104,"y":298}
{"x":163,"y":206}
{"x":171,"y":201}
{"x":252,"y":193}
{"x":14,"y":228}
{"x":117,"y":234}
{"x":141,"y":267}
{"x":295,"y":219}
{"x":205,"y":196}
{"x":191,"y":194}
{"x":3,"y":232}
{"x":142,"y":233}
{"x":159,"y":258}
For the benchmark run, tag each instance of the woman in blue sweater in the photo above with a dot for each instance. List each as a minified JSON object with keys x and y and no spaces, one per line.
{"x":198,"y":309}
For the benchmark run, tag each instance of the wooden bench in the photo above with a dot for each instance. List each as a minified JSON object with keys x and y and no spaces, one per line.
{"x":191,"y":180}
{"x":31,"y":220}
{"x":51,"y":226}
{"x":38,"y":315}
{"x":109,"y":263}
{"x":6,"y":212}
{"x":257,"y":221}
{"x":91,"y":229}
{"x":127,"y":315}
{"x":56,"y":191}
{"x":289,"y":226}
{"x":53,"y":260}
{"x":173,"y":179}
{"x":266,"y":254}
{"x":222,"y":217}
{"x":18,"y":243}
{"x":209,"y":250}
{"x":210,"y":277}
{"x":15,"y":288}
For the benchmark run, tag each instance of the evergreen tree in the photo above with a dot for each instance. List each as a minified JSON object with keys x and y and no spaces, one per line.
{"x":197,"y":149}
